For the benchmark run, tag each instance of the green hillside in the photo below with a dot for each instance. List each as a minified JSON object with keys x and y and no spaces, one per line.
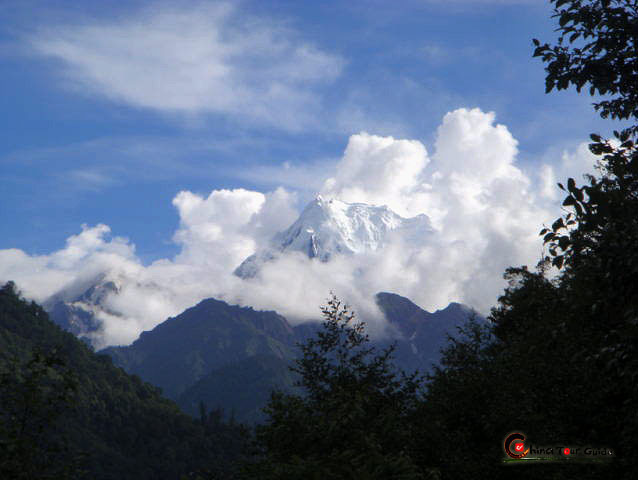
{"x":243,"y":386}
{"x":65,"y":410}
{"x":181,"y":350}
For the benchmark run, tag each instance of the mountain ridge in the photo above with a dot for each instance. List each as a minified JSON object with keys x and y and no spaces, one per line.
{"x":180,"y":350}
{"x":329,"y":227}
{"x":195,"y":352}
{"x":114,"y":425}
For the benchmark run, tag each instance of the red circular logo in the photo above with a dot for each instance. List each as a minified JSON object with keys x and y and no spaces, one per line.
{"x":566,"y":451}
{"x":519,"y":447}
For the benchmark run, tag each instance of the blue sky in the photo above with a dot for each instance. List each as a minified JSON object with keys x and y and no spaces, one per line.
{"x":161,"y":143}
{"x":72,"y":153}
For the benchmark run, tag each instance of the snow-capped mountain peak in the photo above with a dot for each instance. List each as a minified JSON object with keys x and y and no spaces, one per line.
{"x":328,"y":227}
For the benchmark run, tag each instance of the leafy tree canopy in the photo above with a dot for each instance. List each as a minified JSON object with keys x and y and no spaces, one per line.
{"x":354,"y":419}
{"x":65,"y":410}
{"x":560,"y":361}
{"x":597,"y":47}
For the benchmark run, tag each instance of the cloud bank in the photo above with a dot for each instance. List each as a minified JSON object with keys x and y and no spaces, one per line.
{"x":485,"y":208}
{"x":207,"y":59}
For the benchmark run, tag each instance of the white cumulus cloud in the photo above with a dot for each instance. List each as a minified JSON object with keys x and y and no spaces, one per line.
{"x":572,"y":164}
{"x":486,"y":211}
{"x":379,"y":171}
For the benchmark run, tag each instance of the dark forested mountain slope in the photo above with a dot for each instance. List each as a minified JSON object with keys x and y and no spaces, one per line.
{"x":64,"y":408}
{"x":181,"y":350}
{"x":422,"y":334}
{"x":241,"y":389}
{"x":231,"y":357}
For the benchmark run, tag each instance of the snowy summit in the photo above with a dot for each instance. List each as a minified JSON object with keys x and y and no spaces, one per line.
{"x":329,"y":227}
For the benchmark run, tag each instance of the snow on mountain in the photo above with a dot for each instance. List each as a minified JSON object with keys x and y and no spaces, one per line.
{"x":329,"y":227}
{"x":79,"y":311}
{"x":98,"y":310}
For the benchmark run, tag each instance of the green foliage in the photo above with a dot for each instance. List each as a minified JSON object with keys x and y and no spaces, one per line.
{"x":32,"y":398}
{"x":598,"y":283}
{"x":528,"y":371}
{"x":60,"y":400}
{"x":560,"y":359}
{"x":596,"y":242}
{"x":182,"y":350}
{"x":354,"y":418}
{"x":597,"y":48}
{"x":243,"y":387}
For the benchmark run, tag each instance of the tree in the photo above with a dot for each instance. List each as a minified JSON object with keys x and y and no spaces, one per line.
{"x":59,"y":399}
{"x":597,"y":47}
{"x":354,"y":419}
{"x":33,"y":398}
{"x":561,"y":358}
{"x":596,"y":242}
